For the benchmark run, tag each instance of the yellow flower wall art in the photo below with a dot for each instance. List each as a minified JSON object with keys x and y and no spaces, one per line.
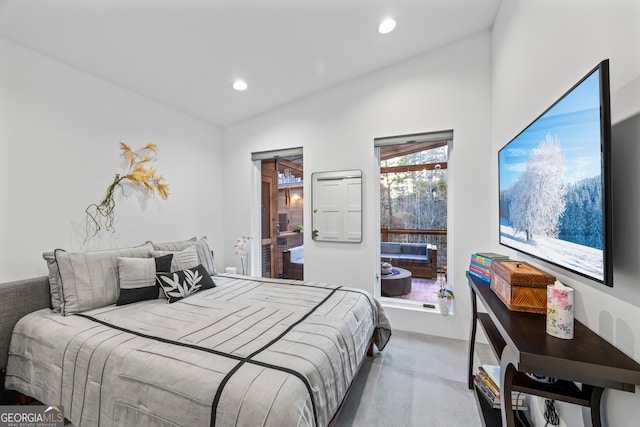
{"x":139,"y":172}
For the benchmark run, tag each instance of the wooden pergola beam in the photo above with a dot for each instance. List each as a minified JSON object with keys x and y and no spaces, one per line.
{"x":393,"y":151}
{"x":413,"y":168}
{"x":290,"y":165}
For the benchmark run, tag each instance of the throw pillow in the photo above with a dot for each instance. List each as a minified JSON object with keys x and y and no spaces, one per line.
{"x":205,"y":256}
{"x":182,"y":260}
{"x":138,"y":277}
{"x":180,"y":284}
{"x":54,"y":289}
{"x":90,"y":279}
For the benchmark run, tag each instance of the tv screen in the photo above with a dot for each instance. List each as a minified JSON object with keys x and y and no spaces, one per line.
{"x":554,"y":182}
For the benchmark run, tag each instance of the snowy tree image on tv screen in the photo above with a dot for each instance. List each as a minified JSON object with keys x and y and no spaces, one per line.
{"x":551,"y":185}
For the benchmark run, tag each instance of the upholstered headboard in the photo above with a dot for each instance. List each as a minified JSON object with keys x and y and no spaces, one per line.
{"x":18,"y":299}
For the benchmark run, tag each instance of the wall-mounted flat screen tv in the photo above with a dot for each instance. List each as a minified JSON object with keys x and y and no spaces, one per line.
{"x":554,"y":178}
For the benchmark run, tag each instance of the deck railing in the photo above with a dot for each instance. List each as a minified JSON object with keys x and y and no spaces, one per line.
{"x":407,"y":235}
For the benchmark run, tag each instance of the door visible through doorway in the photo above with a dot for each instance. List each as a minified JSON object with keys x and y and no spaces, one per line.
{"x":282,"y":211}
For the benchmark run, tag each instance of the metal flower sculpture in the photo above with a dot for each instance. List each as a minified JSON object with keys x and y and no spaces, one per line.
{"x":102,"y":215}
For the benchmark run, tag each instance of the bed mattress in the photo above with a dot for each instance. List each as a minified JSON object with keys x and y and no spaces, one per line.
{"x":249,"y":352}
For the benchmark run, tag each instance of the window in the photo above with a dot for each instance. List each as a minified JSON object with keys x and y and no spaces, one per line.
{"x":413,"y":214}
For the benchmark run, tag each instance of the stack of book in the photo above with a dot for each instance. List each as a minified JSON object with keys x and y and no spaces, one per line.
{"x":487,"y":381}
{"x":480,"y":265}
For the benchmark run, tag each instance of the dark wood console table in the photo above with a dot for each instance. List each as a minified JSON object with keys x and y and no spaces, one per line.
{"x":519,"y":340}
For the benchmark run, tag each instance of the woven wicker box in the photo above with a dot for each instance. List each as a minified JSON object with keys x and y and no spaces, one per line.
{"x":520,"y":286}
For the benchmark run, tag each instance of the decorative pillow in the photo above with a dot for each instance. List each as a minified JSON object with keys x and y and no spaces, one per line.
{"x":186,"y":258}
{"x":205,"y":257}
{"x":54,"y":279}
{"x":90,"y":279}
{"x":138,"y":277}
{"x":180,"y":284}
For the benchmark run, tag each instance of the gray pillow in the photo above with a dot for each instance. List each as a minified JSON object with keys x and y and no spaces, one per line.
{"x":54,"y":279}
{"x":182,"y":260}
{"x":137,"y":277}
{"x":205,"y":257}
{"x":90,"y":279}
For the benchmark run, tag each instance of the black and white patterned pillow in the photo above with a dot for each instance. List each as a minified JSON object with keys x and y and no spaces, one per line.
{"x":180,"y":284}
{"x":138,"y":277}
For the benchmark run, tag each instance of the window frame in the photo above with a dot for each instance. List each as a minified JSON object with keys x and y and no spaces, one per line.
{"x":438,"y":138}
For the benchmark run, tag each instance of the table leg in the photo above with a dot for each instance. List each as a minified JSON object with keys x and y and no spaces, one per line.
{"x":507,"y":369}
{"x":596,"y":397}
{"x":472,"y":338}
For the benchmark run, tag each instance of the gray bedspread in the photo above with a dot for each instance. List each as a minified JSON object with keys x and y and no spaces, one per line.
{"x":252,"y":353}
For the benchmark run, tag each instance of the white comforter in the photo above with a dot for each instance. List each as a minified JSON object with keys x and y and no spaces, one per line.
{"x":252,"y":353}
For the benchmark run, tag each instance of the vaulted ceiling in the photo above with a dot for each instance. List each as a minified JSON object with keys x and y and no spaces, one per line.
{"x":187,"y":53}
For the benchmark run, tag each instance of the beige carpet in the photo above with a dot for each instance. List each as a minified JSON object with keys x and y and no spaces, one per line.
{"x":417,"y":380}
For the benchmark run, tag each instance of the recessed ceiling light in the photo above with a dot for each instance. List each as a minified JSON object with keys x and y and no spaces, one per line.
{"x":240,"y":85}
{"x":387,"y":26}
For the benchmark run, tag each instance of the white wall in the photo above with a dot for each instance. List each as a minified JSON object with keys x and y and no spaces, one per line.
{"x":59,"y":129}
{"x":445,"y":89}
{"x":59,"y":134}
{"x":540,"y":49}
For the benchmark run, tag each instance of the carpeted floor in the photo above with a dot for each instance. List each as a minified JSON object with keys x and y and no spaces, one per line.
{"x":417,"y":380}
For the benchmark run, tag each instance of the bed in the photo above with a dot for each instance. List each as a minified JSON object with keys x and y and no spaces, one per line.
{"x":247,"y":352}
